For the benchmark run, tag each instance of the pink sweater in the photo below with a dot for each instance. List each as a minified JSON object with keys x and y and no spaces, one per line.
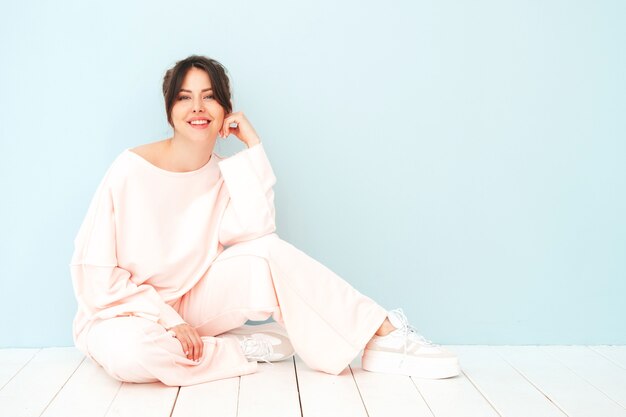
{"x":150,"y":234}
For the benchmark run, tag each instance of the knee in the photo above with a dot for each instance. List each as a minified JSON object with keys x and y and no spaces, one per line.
{"x":271,"y":242}
{"x":265,"y":241}
{"x":121,"y":347}
{"x":259,"y":246}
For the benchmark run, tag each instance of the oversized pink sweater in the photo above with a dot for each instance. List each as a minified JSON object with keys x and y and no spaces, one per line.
{"x":150,"y":234}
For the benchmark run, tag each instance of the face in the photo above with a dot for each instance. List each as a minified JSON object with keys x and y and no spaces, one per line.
{"x":196,"y":114}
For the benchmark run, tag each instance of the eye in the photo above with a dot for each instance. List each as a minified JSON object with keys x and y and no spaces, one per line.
{"x":209,"y":96}
{"x":183,"y":97}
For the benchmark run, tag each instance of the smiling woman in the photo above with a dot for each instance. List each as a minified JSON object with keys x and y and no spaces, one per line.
{"x":218,"y":83}
{"x":179,"y":249}
{"x":197,"y":101}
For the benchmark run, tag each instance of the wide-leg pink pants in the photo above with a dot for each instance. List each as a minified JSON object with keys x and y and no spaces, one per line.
{"x":327,"y":320}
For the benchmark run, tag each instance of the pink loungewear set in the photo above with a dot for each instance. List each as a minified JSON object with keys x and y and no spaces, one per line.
{"x":159,"y":248}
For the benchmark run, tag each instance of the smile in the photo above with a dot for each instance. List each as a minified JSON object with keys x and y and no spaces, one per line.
{"x":199,"y":124}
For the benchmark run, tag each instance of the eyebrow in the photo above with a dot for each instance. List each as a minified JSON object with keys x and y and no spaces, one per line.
{"x":189,"y":91}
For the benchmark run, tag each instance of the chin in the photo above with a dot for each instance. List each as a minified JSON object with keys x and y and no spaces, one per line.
{"x":197,"y":136}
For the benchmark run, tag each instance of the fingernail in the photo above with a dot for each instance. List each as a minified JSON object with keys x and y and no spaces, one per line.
{"x":186,"y":353}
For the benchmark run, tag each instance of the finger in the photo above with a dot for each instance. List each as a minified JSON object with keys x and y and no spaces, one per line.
{"x":194,"y":346}
{"x":233,"y":129}
{"x":190,"y":346}
{"x":191,"y":350}
{"x":186,"y":342}
{"x":232,"y":118}
{"x":183,"y":342}
{"x":200,"y":347}
{"x":197,"y":348}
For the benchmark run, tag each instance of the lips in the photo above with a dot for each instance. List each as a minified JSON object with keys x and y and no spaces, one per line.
{"x":199,"y":122}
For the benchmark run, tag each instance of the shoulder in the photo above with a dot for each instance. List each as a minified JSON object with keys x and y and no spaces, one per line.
{"x":152,"y":152}
{"x":125,"y":163}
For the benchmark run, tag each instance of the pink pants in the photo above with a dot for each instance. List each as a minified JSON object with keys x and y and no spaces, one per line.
{"x":327,"y":320}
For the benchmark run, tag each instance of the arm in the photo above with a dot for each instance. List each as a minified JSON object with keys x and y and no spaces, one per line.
{"x":250,"y":211}
{"x":102,"y":288}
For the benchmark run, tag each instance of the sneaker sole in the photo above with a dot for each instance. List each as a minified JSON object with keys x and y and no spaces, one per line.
{"x":391,"y":363}
{"x":275,"y":328}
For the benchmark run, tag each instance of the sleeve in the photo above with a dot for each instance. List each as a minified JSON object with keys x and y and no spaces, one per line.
{"x":250,"y":211}
{"x":103,"y":289}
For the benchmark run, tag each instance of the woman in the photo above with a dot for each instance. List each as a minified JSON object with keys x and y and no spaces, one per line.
{"x":178,"y":250}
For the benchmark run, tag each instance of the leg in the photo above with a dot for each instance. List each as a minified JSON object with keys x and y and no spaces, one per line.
{"x":235,"y":289}
{"x":135,"y":349}
{"x":327,"y":320}
{"x":385,"y":328}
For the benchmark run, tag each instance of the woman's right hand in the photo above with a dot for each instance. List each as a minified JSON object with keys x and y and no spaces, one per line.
{"x":189,"y":339}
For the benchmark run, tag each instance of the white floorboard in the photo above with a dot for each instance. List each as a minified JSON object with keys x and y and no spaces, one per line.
{"x":575,"y":396}
{"x":11,"y":361}
{"x":616,"y":354}
{"x":508,"y":391}
{"x":271,"y":391}
{"x":29,"y":392}
{"x":593,"y":368}
{"x":133,"y":400}
{"x":325,"y":395}
{"x":89,"y":393}
{"x":452,"y":397}
{"x":507,"y":381}
{"x":215,"y":398}
{"x":388,"y":395}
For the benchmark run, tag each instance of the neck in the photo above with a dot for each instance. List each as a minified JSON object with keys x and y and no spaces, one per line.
{"x":188,"y":155}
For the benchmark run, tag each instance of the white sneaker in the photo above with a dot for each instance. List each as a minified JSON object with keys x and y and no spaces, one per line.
{"x":406,"y":352}
{"x":267,"y":342}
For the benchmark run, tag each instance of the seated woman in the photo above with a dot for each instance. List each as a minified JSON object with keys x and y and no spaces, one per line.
{"x":179,"y":249}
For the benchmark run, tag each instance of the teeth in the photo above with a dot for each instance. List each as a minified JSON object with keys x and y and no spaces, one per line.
{"x":199,"y":122}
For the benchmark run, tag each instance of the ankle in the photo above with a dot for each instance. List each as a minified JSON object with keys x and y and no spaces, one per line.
{"x":385,"y":328}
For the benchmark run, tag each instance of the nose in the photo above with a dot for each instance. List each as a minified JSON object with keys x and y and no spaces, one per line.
{"x":198,"y":105}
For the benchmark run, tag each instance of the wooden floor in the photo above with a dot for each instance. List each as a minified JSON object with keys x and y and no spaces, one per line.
{"x":528,"y":381}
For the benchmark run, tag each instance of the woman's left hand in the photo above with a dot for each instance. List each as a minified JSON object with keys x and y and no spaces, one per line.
{"x":244,"y":130}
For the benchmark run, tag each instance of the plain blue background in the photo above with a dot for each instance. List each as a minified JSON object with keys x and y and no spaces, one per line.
{"x":461,"y":160}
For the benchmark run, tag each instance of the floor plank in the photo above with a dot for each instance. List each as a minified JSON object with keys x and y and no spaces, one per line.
{"x":593,"y":368}
{"x":388,"y":395}
{"x":453,"y":397}
{"x":153,"y":399}
{"x":510,"y":381}
{"x":88,"y":393}
{"x":326,"y":395}
{"x":215,"y":398}
{"x":271,"y":391}
{"x":575,"y":396}
{"x":32,"y":389}
{"x":617,"y":354}
{"x":508,"y":391}
{"x":12,"y":360}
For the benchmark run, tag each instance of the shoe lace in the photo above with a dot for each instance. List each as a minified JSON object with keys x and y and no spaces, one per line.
{"x":257,"y":348}
{"x":409,"y":333}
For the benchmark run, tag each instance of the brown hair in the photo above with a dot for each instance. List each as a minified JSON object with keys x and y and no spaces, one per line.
{"x":173,"y":81}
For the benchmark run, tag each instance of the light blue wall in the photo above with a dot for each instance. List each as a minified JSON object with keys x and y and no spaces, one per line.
{"x":461,"y":160}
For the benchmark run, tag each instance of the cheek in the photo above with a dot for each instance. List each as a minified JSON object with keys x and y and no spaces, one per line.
{"x":178,"y":117}
{"x":178,"y":111}
{"x":217,"y":111}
